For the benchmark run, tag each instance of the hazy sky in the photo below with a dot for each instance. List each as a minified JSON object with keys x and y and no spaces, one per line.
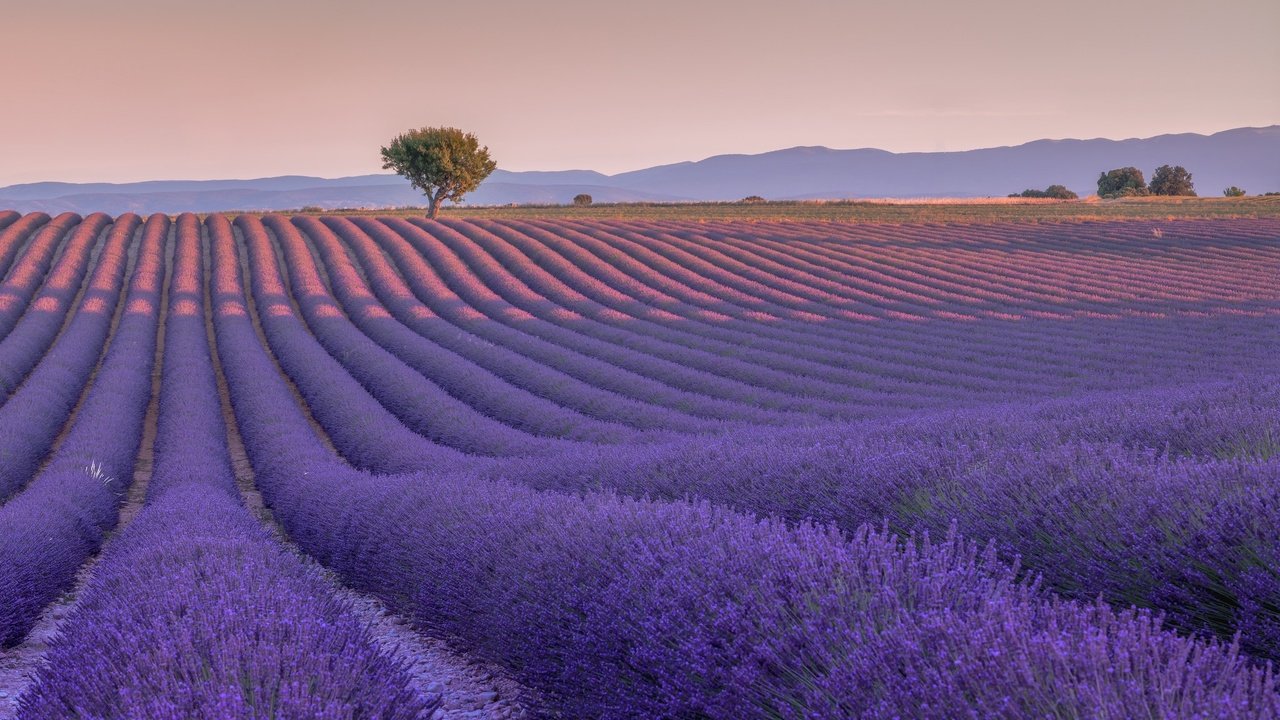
{"x":150,"y":89}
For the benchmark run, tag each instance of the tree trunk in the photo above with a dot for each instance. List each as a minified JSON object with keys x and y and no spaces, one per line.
{"x":433,"y":207}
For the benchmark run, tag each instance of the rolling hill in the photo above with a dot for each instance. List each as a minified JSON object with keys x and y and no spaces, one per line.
{"x":1246,"y":157}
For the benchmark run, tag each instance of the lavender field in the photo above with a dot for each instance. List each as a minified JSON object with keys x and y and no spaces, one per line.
{"x":638,"y":469}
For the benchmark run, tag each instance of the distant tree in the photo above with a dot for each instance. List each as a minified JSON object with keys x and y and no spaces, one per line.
{"x":1234,"y":191}
{"x":1056,"y":192}
{"x":1172,"y":180}
{"x":444,"y":163}
{"x":1121,"y":182}
{"x":753,"y":199}
{"x":582,"y":199}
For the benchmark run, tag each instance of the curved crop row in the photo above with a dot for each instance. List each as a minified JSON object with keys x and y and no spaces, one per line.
{"x":239,"y":627}
{"x":1012,"y":335}
{"x":1223,"y":508}
{"x":419,"y":403}
{"x":478,"y":387}
{"x":48,"y":530}
{"x":1038,"y":360}
{"x":653,"y":469}
{"x":14,"y":237}
{"x":600,"y":324}
{"x":370,"y":436}
{"x":32,"y":335}
{"x":545,"y":380}
{"x":603,"y":602}
{"x":33,"y":416}
{"x":482,"y":312}
{"x":29,"y":270}
{"x":1088,"y":494}
{"x":817,"y":362}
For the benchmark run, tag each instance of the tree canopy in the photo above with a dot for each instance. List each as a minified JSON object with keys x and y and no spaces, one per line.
{"x":1056,"y":192}
{"x":445,"y":163}
{"x":1172,"y":180}
{"x":1122,"y":182}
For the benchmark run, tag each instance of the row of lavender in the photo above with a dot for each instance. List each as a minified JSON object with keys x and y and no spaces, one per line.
{"x":619,"y":607}
{"x":590,"y":596}
{"x":1199,"y":523}
{"x":194,"y":610}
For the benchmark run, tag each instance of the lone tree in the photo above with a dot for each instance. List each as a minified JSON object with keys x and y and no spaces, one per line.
{"x":444,"y":163}
{"x":1173,"y":180}
{"x":582,"y":199}
{"x":1234,"y":191}
{"x":1121,"y":182}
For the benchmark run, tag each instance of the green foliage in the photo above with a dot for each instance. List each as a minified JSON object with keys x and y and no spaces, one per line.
{"x":582,"y":199}
{"x":1055,"y":192}
{"x":1122,"y":182}
{"x":1233,"y":191}
{"x":1172,"y":180}
{"x":753,"y":200}
{"x":444,"y":163}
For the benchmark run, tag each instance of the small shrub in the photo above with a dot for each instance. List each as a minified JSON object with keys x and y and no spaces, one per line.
{"x":582,"y":199}
{"x":1233,"y":191}
{"x":753,"y":200}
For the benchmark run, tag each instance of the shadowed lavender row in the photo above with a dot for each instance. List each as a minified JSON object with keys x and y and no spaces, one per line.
{"x":585,"y":350}
{"x":49,"y":529}
{"x":30,"y":269}
{"x":1221,"y":516}
{"x":479,"y":388}
{"x":14,"y":236}
{"x":417,"y":401}
{"x":998,"y":494}
{"x":32,"y":416}
{"x":436,"y":323}
{"x":1165,"y":499}
{"x":26,"y":344}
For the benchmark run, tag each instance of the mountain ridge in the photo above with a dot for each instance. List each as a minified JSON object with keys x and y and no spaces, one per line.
{"x":1247,"y":157}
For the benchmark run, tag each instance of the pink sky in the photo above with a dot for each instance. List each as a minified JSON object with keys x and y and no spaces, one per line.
{"x":151,"y":89}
